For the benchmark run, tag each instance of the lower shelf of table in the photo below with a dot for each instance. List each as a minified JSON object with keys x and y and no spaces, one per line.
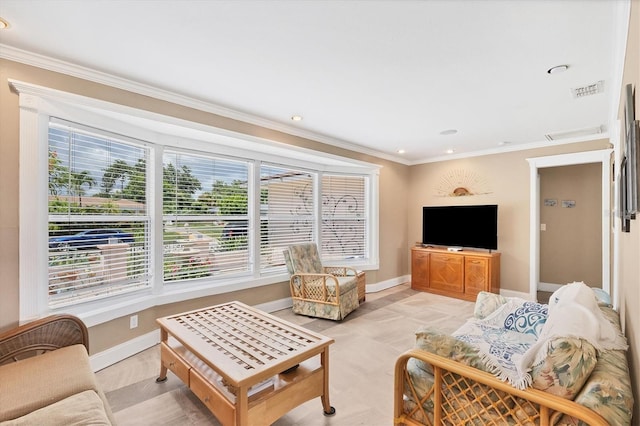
{"x":267,"y":401}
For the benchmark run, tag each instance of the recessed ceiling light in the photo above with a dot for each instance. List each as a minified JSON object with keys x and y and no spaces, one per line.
{"x":401,"y":151}
{"x":3,"y":24}
{"x":450,"y":151}
{"x":558,"y":69}
{"x":449,"y":132}
{"x":296,"y":117}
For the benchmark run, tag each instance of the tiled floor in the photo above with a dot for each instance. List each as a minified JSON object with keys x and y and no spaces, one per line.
{"x":362,"y":360}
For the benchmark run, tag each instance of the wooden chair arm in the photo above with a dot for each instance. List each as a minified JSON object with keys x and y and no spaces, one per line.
{"x":341,"y":271}
{"x":310,"y":276}
{"x":455,"y":379}
{"x":308,"y":283}
{"x":42,"y":335}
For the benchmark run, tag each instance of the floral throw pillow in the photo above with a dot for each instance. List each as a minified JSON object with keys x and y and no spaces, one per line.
{"x":528,"y":318}
{"x":487,"y":303}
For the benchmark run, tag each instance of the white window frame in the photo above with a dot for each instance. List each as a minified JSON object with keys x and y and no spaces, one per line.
{"x":367,"y":210}
{"x":146,"y":282}
{"x":37,"y":104}
{"x":314,"y":174}
{"x":215,"y":155}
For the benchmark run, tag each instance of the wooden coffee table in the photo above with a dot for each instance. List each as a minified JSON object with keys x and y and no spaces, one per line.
{"x":246,"y":366}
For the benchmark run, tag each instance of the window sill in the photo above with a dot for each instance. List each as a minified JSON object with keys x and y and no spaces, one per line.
{"x":101,"y":311}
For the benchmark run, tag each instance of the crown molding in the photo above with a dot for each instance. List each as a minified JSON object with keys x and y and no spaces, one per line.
{"x":511,"y":148}
{"x":622,"y":16}
{"x":67,"y":68}
{"x":240,"y":145}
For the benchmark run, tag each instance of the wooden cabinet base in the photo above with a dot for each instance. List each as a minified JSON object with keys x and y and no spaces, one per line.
{"x":460,"y":274}
{"x":463,"y":296}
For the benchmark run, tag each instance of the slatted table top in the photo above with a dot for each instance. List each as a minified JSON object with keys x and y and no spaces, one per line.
{"x":241,"y":343}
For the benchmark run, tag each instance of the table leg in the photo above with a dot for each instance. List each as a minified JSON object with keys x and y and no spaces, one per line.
{"x":242,"y":406}
{"x":163,"y":374}
{"x":324,"y":361}
{"x":164,"y":336}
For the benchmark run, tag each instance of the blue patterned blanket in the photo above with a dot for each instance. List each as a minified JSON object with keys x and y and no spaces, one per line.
{"x":503,"y":338}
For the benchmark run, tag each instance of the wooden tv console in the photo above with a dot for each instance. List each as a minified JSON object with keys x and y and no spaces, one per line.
{"x":461,"y":274}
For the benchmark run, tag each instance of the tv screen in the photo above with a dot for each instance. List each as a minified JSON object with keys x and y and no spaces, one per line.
{"x":473,"y":226}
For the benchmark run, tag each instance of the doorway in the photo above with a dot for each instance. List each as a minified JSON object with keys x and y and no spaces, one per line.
{"x":535,"y":164}
{"x":570,"y":218}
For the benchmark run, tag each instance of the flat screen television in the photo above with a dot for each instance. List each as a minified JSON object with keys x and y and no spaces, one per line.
{"x":470,"y":226}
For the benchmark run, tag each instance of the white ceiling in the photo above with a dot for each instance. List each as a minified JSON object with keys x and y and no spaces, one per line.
{"x":376,"y":76}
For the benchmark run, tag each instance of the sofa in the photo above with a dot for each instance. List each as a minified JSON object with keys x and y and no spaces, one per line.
{"x":570,"y":379}
{"x":46,"y":378}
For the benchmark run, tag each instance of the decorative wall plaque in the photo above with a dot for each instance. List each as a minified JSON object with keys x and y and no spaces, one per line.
{"x":462,"y":183}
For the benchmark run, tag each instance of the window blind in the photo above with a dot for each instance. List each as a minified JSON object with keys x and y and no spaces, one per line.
{"x":205,"y":214}
{"x":286,"y":212}
{"x":98,"y":221}
{"x":344,"y":219}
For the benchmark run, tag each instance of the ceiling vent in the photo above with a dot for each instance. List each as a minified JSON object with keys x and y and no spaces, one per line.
{"x":588,"y":90}
{"x":571,"y":134}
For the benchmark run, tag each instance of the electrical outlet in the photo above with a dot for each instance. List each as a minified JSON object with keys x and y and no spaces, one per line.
{"x":543,"y":226}
{"x":133,"y":321}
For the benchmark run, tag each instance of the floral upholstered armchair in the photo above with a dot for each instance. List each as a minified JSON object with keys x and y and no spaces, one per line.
{"x":325,"y":292}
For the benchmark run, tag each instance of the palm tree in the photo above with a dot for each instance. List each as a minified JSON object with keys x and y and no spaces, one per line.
{"x":57,"y":174}
{"x":77,"y":180}
{"x":116,"y":171}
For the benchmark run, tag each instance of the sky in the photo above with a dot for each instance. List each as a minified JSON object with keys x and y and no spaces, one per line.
{"x":94,"y":153}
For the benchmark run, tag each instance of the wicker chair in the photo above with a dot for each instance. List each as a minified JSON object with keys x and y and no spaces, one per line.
{"x":41,"y":336}
{"x":46,"y":375}
{"x":320,"y":291}
{"x":461,"y":394}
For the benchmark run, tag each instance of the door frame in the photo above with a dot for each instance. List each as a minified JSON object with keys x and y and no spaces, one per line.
{"x":602,"y":156}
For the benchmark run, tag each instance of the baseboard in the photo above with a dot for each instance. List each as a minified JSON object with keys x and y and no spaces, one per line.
{"x":383,"y":285}
{"x":548,"y":287}
{"x":138,"y":344}
{"x":124,"y":350}
{"x":541,"y":287}
{"x":513,"y":293}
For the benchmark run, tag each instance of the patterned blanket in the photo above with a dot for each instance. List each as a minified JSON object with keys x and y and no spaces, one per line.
{"x":517,"y":334}
{"x":503,"y":338}
{"x":574,"y":312}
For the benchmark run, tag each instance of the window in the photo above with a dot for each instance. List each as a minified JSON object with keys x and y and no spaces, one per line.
{"x":344,"y":217}
{"x":287,"y":212}
{"x":205,"y":216}
{"x":122,"y":210}
{"x":98,"y":221}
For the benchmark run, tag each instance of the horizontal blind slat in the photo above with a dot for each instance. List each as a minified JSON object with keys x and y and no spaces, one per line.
{"x":288,"y":215}
{"x":98,"y":234}
{"x":344,"y":217}
{"x":205,"y":206}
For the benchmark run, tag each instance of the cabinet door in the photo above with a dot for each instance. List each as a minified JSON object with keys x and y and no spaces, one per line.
{"x":446,"y":272}
{"x":419,"y":270}
{"x":476,"y":275}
